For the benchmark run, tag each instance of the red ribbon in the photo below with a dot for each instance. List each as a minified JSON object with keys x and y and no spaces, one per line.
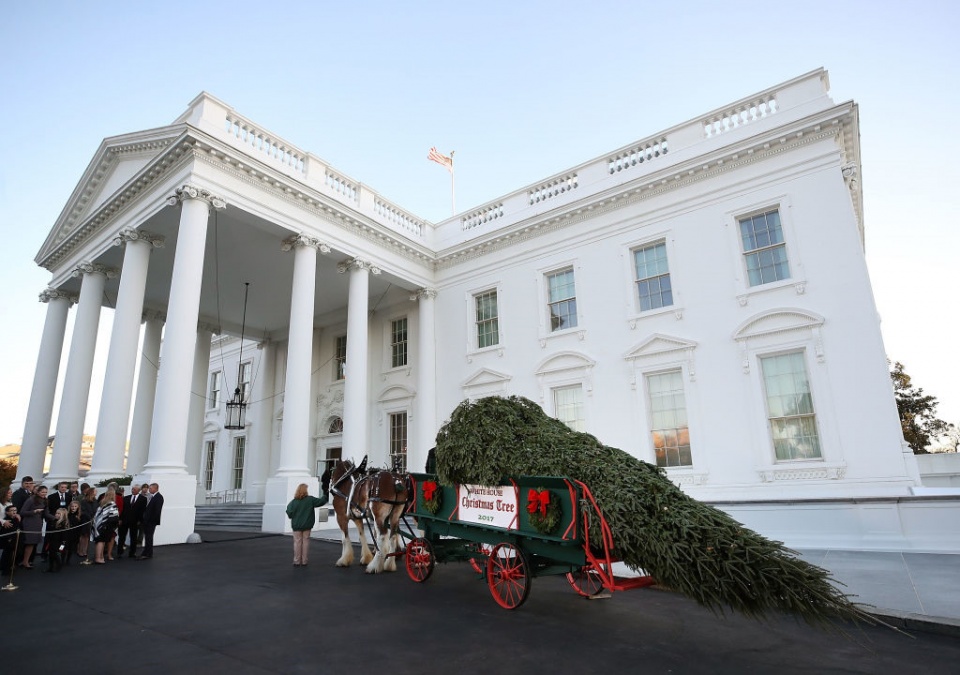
{"x":429,"y":489}
{"x":538,"y":501}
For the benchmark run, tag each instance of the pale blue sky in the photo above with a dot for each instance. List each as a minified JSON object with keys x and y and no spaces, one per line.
{"x":520,"y":90}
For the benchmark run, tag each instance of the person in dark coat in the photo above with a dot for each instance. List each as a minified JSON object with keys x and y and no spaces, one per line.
{"x":151,"y":519}
{"x":302,"y":514}
{"x":88,"y":509}
{"x":131,"y":514}
{"x":32,"y":515}
{"x":9,"y":526}
{"x":22,"y":493}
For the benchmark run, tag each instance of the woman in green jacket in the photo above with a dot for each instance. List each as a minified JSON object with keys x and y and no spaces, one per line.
{"x":302,"y":513}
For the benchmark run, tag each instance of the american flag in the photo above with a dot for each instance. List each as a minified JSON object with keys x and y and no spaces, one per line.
{"x":442,"y":160}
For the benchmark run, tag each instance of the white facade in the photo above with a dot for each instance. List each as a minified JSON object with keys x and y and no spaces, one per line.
{"x":698,"y":298}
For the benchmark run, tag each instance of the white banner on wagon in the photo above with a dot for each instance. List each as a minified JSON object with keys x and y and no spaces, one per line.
{"x":488,"y":505}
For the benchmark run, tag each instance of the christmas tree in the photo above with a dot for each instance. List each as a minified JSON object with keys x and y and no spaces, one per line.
{"x":684,"y":544}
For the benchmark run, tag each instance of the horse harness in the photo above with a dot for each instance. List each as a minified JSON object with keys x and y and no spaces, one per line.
{"x":372,"y":476}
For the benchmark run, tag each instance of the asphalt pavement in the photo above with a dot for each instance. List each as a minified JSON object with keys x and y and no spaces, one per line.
{"x":236,"y":604}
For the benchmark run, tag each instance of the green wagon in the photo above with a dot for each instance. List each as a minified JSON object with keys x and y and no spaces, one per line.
{"x":527,"y":527}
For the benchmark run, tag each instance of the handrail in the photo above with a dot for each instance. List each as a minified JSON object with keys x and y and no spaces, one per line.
{"x":227,"y":497}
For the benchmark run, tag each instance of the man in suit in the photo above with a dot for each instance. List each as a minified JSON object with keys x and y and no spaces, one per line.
{"x":21,"y":493}
{"x":151,"y":518}
{"x":130,"y":517}
{"x":59,"y":499}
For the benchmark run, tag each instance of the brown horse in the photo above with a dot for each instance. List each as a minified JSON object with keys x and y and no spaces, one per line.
{"x":375,"y":494}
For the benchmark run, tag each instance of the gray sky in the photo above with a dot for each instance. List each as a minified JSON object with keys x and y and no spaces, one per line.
{"x":520,"y":90}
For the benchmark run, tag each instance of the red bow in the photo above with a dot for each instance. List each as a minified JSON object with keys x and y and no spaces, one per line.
{"x":429,"y":488}
{"x":538,"y":501}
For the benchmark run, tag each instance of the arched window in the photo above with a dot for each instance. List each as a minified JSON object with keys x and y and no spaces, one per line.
{"x":336,"y":426}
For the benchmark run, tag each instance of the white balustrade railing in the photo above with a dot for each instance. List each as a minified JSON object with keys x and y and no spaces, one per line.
{"x":739,"y":116}
{"x":398,"y":216}
{"x":264,"y":143}
{"x":340,"y":185}
{"x":482,"y":216}
{"x":227,"y":497}
{"x":644,"y":151}
{"x":553,"y":188}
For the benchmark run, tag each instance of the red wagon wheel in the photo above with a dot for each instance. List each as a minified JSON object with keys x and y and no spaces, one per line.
{"x":419,"y":559}
{"x":586,"y":581}
{"x":508,"y":575}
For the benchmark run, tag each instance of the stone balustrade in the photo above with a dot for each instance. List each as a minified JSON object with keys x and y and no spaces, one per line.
{"x":264,"y":143}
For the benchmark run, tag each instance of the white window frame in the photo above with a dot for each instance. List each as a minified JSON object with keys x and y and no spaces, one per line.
{"x":635,"y":316}
{"x":766,"y":408}
{"x":582,"y":403}
{"x":214,"y":393}
{"x":392,"y":453}
{"x":246,"y":380}
{"x":209,"y":463}
{"x":339,"y":362}
{"x":388,"y":335}
{"x":547,"y":314}
{"x":648,"y":407}
{"x":473,"y":338}
{"x":797,"y":280}
{"x":239,"y":461}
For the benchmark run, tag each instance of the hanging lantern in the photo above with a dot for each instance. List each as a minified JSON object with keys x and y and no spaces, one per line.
{"x":237,"y":406}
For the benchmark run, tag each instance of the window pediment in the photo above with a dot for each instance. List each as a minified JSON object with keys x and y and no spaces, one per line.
{"x":485,"y":377}
{"x":396,"y":392}
{"x":564,"y":361}
{"x":659,"y":345}
{"x":778,"y":321}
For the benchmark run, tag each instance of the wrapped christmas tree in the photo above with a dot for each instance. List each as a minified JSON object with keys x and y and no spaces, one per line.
{"x":684,"y":544}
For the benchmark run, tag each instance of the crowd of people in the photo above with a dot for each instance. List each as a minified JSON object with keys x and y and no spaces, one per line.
{"x":76,"y":522}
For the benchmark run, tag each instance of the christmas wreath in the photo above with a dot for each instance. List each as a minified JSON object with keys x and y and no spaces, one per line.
{"x":543,"y":507}
{"x":432,"y":496}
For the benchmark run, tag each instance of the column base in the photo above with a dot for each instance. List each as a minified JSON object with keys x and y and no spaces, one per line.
{"x":179,"y":513}
{"x":278,"y":493}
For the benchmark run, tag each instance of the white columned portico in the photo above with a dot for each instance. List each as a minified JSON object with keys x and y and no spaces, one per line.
{"x":426,"y":436}
{"x":168,"y":440}
{"x":146,"y":394}
{"x":295,"y":434}
{"x":198,"y":408}
{"x":65,"y":462}
{"x":122,"y":357}
{"x":36,"y":428}
{"x":355,"y":386}
{"x":262,"y":413}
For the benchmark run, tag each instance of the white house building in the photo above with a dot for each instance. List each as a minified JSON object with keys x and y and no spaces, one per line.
{"x":698,"y":298}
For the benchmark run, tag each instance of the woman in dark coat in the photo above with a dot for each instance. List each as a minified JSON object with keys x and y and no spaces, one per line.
{"x":88,"y":509}
{"x":32,"y":515}
{"x":74,"y":528}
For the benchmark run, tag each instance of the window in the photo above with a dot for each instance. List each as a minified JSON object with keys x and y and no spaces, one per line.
{"x":790,"y":407}
{"x":239,"y":449}
{"x":654,"y":289}
{"x":245,"y":371}
{"x":562,"y":300}
{"x":336,"y":426}
{"x":398,"y":342}
{"x":668,"y":419}
{"x":339,"y":357}
{"x":764,"y":250}
{"x":213,"y":399}
{"x":398,"y":441}
{"x":568,"y":404}
{"x":488,"y":322}
{"x":208,"y":469}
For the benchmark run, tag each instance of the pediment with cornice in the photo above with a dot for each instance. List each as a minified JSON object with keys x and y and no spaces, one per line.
{"x":119,"y":170}
{"x":776,"y":322}
{"x":564,"y":361}
{"x":485,"y":377}
{"x":396,"y":392}
{"x":658,"y":345}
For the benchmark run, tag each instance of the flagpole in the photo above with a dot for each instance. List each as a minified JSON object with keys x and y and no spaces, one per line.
{"x":453,"y":187}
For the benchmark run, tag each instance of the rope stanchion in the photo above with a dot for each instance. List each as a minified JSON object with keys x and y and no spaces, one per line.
{"x":16,"y":547}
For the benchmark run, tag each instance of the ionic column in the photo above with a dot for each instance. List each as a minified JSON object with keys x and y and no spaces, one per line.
{"x":426,"y":436}
{"x":295,"y":436}
{"x":36,"y":428}
{"x":122,"y":357}
{"x":261,"y":410}
{"x":146,"y":394}
{"x":65,"y":462}
{"x":171,"y":411}
{"x":355,"y":387}
{"x":198,"y":405}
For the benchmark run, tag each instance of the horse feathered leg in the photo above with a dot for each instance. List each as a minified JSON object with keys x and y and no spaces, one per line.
{"x":366,"y":555}
{"x":346,"y":556}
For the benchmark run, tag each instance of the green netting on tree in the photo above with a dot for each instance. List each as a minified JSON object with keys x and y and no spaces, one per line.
{"x":684,"y":544}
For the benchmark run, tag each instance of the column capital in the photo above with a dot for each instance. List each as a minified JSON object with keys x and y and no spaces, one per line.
{"x":190,"y":191}
{"x":49,"y":294}
{"x":209,"y":327}
{"x":300,"y":241}
{"x":357,"y":264}
{"x":96,"y":268}
{"x":424,"y":294}
{"x":153,"y":314}
{"x":131,"y":234}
